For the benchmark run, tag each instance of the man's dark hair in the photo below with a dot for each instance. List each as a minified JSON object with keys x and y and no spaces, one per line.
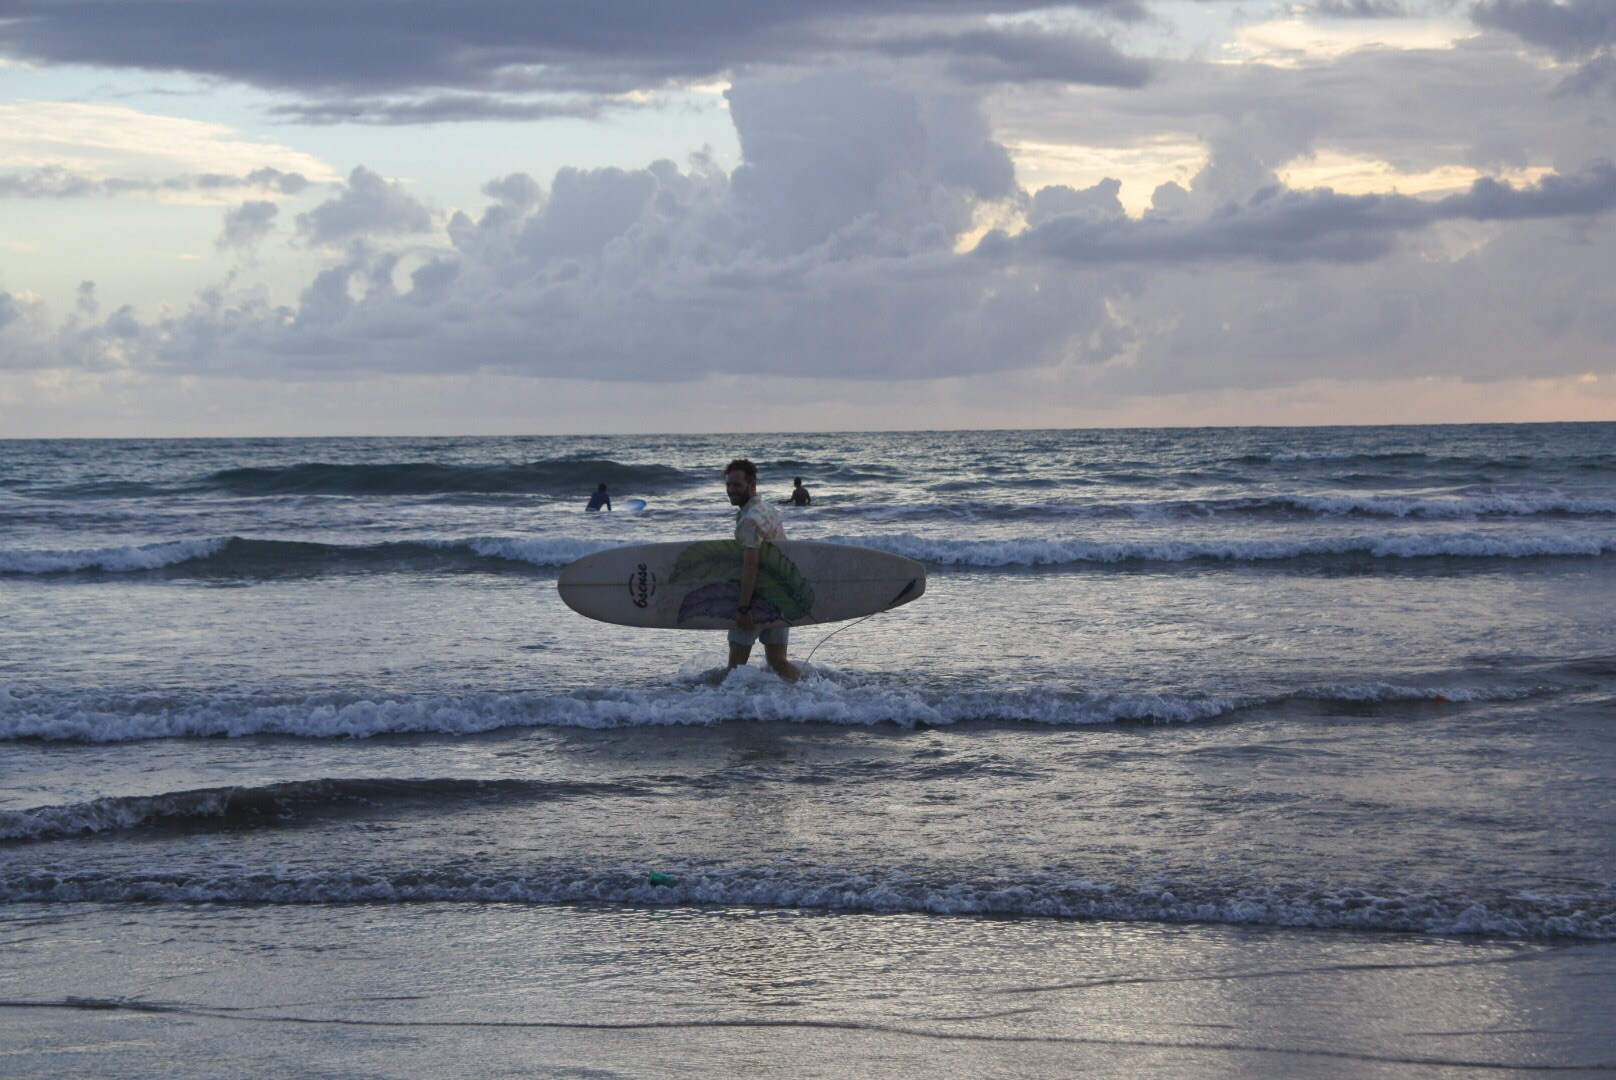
{"x":744,"y":465}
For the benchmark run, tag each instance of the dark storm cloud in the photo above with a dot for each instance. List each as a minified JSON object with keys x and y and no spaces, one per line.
{"x":55,"y":182}
{"x":1361,"y":9}
{"x":1024,"y":56}
{"x":1571,"y":29}
{"x":391,"y":47}
{"x":1594,"y":76}
{"x":1283,"y":226}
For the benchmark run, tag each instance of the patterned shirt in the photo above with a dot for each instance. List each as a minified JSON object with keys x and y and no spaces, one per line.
{"x":756,"y":522}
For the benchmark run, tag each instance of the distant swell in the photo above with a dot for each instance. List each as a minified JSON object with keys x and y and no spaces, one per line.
{"x":748,"y":697}
{"x":561,"y":477}
{"x":1403,"y":906}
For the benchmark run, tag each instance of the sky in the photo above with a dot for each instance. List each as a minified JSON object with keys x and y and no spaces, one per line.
{"x":393,"y":217}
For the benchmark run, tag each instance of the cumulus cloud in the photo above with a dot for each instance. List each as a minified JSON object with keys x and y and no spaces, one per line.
{"x":835,"y":251}
{"x":1290,"y":226}
{"x":844,"y":245}
{"x":1397,"y":113}
{"x":864,"y":159}
{"x":369,"y":205}
{"x":1060,"y":201}
{"x":247,"y":224}
{"x":56,"y":182}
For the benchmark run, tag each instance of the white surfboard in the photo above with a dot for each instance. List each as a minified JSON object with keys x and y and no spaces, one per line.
{"x":695,"y":585}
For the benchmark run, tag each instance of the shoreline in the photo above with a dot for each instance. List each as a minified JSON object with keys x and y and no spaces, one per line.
{"x":435,"y":990}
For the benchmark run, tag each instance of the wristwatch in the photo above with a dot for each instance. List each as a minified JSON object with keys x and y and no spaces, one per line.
{"x":745,"y":607}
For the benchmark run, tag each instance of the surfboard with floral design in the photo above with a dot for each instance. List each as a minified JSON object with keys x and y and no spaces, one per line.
{"x":695,"y":585}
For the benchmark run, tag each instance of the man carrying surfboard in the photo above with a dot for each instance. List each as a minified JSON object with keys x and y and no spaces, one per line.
{"x":756,"y":522}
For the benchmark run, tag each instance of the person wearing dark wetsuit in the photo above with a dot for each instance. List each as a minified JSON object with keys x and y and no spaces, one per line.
{"x":599,"y":499}
{"x":799,"y":494}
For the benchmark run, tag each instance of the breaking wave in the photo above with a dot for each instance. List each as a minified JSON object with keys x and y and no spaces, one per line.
{"x":1402,"y":907}
{"x":823,"y":697}
{"x":235,"y":806}
{"x":1391,"y":545}
{"x":235,"y":556}
{"x":227,"y":556}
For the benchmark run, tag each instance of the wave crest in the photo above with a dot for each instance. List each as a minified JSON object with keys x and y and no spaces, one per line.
{"x":1402,"y":907}
{"x":704,"y":698}
{"x":1056,"y":552}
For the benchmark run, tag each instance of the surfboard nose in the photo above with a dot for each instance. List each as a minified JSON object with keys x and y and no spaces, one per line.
{"x":913,"y":589}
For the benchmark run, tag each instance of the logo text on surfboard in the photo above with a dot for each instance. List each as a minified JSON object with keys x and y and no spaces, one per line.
{"x":641,"y":586}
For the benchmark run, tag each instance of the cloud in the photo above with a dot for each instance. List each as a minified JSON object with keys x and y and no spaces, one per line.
{"x":247,"y":224}
{"x":113,"y":141}
{"x":1278,"y":225}
{"x":1361,"y":9}
{"x":831,"y":246}
{"x":1582,"y":30}
{"x":1596,"y":75}
{"x":9,"y":311}
{"x":1570,"y":29}
{"x":481,"y":51}
{"x":1408,"y":116}
{"x":445,"y":109}
{"x":843,"y":246}
{"x":832,"y":252}
{"x":55,"y":182}
{"x":1023,"y":55}
{"x":1059,"y":201}
{"x":864,"y":159}
{"x":368,"y":206}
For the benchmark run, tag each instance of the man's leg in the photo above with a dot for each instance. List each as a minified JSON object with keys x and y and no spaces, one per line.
{"x":739,"y":655}
{"x":776,"y":656}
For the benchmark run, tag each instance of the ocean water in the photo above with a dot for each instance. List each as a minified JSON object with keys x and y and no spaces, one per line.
{"x":1359,"y":681}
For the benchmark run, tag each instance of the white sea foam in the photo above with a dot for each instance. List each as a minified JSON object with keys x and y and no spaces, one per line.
{"x":541,"y":551}
{"x":554,"y":552}
{"x":1452,"y":507}
{"x":702,"y":699}
{"x":114,"y":559}
{"x":1317,"y":455}
{"x":1403,"y":907}
{"x":1023,"y":551}
{"x":105,"y":815}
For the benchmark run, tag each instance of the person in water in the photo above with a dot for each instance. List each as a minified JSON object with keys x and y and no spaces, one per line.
{"x":599,"y":499}
{"x":799,"y":494}
{"x":756,"y":522}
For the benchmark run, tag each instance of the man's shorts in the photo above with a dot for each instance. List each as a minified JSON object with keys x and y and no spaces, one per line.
{"x":777,"y":636}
